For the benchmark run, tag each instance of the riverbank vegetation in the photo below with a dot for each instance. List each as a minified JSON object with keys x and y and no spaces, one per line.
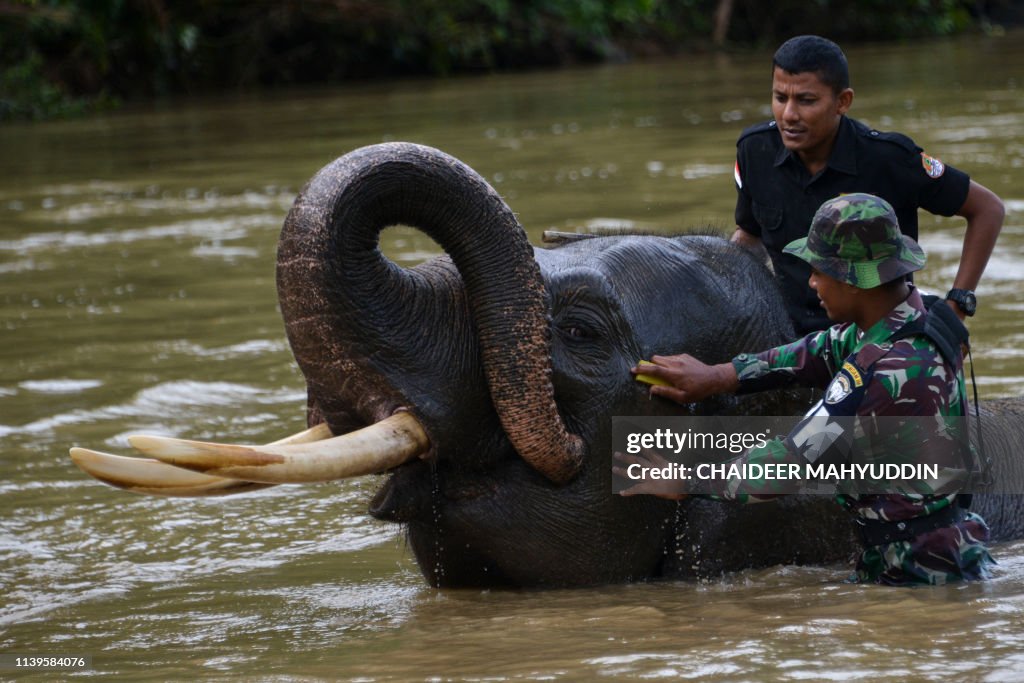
{"x":65,"y":57}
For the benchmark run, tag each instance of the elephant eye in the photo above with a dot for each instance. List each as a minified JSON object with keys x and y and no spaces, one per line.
{"x":578,"y":332}
{"x":580,"y":322}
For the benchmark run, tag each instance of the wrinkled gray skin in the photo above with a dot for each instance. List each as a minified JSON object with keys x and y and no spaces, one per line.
{"x":514,"y":360}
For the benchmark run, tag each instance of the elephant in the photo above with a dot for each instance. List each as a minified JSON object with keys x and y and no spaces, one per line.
{"x":492,"y":372}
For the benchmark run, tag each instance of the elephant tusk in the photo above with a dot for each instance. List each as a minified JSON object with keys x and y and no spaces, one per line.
{"x":142,"y":475}
{"x":376,"y":448}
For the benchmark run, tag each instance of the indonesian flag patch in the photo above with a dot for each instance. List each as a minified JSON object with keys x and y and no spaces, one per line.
{"x":736,"y":174}
{"x":932,"y":166}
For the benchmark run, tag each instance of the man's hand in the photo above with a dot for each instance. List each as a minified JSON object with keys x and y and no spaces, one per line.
{"x":671,"y":489}
{"x":750,"y":242}
{"x":956,"y":309}
{"x":690,"y":380}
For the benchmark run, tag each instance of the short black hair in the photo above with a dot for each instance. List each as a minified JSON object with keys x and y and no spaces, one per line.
{"x":814,"y":54}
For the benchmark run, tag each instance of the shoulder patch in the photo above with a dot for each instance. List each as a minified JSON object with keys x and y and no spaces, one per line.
{"x":854,"y":373}
{"x":932,"y":166}
{"x":847,"y":382}
{"x":736,"y":175}
{"x":840,"y":388}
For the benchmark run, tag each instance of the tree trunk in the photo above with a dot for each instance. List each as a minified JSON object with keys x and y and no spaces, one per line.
{"x":723,"y":14}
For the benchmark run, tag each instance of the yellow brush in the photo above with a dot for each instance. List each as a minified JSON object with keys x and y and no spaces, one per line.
{"x":650,"y":379}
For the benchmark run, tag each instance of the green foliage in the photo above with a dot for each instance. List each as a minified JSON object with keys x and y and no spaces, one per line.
{"x":59,"y":56}
{"x":25,"y":93}
{"x":760,"y":22}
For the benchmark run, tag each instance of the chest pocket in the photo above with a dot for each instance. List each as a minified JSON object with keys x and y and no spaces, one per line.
{"x":768,"y":217}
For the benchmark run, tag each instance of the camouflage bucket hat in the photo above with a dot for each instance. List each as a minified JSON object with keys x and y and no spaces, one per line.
{"x":856,"y":239}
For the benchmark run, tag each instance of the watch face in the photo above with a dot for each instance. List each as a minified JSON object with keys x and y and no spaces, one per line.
{"x":965,"y":299}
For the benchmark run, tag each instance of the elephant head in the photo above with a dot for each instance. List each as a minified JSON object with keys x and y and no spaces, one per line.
{"x":512,"y":360}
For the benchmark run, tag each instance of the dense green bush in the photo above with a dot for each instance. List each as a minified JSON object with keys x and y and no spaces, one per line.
{"x":62,"y":56}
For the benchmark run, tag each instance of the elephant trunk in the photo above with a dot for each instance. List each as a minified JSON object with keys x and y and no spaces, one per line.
{"x":345,"y":304}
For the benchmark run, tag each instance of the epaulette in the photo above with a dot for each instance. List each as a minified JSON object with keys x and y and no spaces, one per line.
{"x":757,"y":128}
{"x":894,"y":138}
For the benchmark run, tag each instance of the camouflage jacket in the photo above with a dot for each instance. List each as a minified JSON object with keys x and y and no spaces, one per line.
{"x":863,"y":374}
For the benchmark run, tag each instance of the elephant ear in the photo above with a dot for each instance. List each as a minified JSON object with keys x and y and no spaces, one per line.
{"x":330,"y":268}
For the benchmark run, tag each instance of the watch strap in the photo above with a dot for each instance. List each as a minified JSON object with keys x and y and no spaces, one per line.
{"x":965,"y":300}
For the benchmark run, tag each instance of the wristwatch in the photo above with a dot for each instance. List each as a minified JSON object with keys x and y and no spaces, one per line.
{"x":964,"y":299}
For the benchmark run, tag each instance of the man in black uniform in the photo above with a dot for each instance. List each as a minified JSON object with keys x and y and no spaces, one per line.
{"x":812,"y":152}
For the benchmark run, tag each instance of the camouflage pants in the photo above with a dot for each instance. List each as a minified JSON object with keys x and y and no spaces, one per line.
{"x":954,"y":553}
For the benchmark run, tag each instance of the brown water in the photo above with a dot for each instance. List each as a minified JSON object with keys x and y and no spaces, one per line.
{"x":137,"y":295}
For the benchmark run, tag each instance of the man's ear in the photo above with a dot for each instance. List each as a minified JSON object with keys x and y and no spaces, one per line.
{"x":844,"y":100}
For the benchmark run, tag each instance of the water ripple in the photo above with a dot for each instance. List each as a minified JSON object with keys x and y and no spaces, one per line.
{"x":229,"y":228}
{"x":185,"y":399}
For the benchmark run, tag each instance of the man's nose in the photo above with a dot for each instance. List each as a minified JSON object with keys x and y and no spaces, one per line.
{"x":790,"y":112}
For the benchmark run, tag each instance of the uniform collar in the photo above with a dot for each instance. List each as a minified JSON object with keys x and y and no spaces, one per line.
{"x":844,"y":153}
{"x":906,"y":311}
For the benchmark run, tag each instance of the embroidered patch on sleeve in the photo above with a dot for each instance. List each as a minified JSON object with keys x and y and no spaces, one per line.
{"x":838,"y":390}
{"x":932,"y":166}
{"x":854,"y":373}
{"x":736,"y":175}
{"x":848,"y":382}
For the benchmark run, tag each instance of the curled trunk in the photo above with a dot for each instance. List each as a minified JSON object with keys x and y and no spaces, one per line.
{"x":354,"y":318}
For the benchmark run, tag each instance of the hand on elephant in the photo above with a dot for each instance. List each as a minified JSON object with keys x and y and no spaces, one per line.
{"x":671,"y":489}
{"x":689,"y":379}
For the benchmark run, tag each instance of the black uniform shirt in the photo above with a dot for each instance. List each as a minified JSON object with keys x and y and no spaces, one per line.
{"x":777,"y":197}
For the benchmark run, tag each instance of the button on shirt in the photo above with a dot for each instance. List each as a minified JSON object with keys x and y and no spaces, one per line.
{"x":777,"y":197}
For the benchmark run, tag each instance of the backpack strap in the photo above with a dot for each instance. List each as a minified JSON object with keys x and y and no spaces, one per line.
{"x":947,"y":332}
{"x":942,"y":327}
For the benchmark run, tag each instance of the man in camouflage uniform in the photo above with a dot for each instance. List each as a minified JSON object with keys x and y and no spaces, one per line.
{"x":878,"y":363}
